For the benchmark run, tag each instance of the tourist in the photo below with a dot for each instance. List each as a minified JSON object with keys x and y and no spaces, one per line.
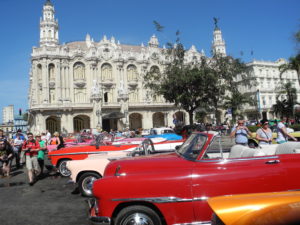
{"x":21,"y":135}
{"x":48,"y":136}
{"x":58,"y":140}
{"x":264,"y":134}
{"x":282,"y":134}
{"x":6,"y":157}
{"x":17,"y":147}
{"x":31,"y":148}
{"x":240,"y":133}
{"x":41,"y":153}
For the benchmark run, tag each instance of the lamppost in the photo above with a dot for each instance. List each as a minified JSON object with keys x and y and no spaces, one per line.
{"x":98,"y":114}
{"x":126,"y":118}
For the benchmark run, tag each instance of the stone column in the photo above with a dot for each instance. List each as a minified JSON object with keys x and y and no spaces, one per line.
{"x":58,"y":91}
{"x":45,"y":81}
{"x":70,"y":125}
{"x":63,"y":83}
{"x":35,"y":86}
{"x":70,"y":89}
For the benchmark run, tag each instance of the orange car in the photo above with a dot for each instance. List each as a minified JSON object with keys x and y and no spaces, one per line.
{"x":277,"y":208}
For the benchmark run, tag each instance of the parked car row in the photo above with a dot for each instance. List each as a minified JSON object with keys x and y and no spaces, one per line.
{"x":174,"y":188}
{"x":128,"y":184}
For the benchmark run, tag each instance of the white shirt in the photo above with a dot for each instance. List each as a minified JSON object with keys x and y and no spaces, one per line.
{"x":280,"y":134}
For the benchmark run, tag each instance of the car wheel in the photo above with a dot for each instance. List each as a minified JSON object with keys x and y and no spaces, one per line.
{"x":62,"y":168}
{"x":137,"y":215}
{"x":85,"y":183}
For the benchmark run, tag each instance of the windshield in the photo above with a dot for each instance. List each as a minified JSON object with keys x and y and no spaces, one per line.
{"x":192,"y":147}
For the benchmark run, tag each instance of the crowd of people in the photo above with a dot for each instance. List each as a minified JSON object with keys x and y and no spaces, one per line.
{"x":264,"y":135}
{"x":28,"y":150}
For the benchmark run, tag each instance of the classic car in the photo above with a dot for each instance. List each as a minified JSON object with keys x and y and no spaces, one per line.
{"x":275,"y":208}
{"x":173,"y":188}
{"x":85,"y":172}
{"x":60,"y":157}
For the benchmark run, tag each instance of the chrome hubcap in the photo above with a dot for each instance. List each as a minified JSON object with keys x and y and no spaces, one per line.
{"x":138,"y":219}
{"x":87,"y":184}
{"x":63,"y":169}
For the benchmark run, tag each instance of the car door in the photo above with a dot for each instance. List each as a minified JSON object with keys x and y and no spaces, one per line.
{"x":291,"y":166}
{"x":219,"y":176}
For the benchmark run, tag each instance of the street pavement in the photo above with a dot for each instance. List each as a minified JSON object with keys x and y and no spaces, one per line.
{"x":48,"y":202}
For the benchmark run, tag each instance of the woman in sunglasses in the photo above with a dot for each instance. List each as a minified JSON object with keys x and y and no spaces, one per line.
{"x":264,"y":134}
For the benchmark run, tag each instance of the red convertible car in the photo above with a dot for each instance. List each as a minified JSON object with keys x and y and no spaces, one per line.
{"x":173,"y":188}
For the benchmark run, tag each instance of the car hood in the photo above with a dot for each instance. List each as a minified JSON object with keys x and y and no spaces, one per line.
{"x":258,"y":209}
{"x":150,"y":163}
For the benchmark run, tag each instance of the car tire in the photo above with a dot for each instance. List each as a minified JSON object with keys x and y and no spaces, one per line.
{"x":143,"y":214}
{"x":62,"y":168}
{"x":85,"y":183}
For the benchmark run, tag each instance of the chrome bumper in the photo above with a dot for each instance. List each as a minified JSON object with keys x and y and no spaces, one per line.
{"x":94,"y":219}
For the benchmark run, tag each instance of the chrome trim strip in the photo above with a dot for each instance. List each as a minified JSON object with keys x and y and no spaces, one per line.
{"x":238,"y":159}
{"x":195,"y":223}
{"x":79,"y":153}
{"x":170,"y":199}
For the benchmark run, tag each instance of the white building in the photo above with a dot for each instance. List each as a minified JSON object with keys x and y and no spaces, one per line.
{"x":89,"y":84}
{"x":8,"y":114}
{"x":267,"y":76}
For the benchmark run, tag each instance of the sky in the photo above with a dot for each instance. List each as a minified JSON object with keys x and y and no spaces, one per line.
{"x":264,"y":27}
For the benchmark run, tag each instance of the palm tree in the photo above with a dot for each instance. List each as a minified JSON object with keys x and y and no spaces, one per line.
{"x":236,"y":101}
{"x":286,"y":107}
{"x":293,"y":64}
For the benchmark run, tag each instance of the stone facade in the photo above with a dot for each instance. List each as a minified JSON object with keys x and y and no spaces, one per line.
{"x":8,"y":114}
{"x":267,"y":76}
{"x":89,"y":84}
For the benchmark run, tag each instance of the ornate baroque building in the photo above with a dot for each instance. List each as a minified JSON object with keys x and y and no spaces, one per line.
{"x":88,"y":84}
{"x":267,"y":76}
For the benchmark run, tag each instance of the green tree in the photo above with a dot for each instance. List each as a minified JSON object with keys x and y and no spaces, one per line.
{"x":293,"y":64}
{"x":231,"y":74}
{"x":198,"y":84}
{"x":236,"y":101}
{"x":186,"y":85}
{"x":286,"y":106}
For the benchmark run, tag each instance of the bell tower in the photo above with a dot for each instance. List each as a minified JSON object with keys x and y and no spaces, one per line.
{"x":218,"y":44}
{"x":48,"y":26}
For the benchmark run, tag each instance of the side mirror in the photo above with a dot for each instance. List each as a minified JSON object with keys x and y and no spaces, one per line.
{"x":177,"y":147}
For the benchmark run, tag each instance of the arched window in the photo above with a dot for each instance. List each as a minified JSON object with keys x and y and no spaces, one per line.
{"x":131,"y":73}
{"x":79,"y":71}
{"x":154,"y":69}
{"x":39,"y":72}
{"x":51,"y":72}
{"x":106,"y":71}
{"x":80,"y":95}
{"x":133,"y":96}
{"x":105,"y":97}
